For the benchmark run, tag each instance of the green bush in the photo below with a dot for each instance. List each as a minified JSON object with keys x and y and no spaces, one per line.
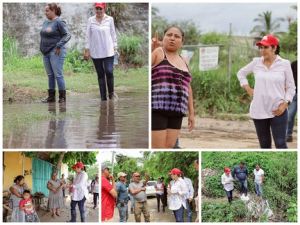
{"x":222,"y":212}
{"x":129,"y":45}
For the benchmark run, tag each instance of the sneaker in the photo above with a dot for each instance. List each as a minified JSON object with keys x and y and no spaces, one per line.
{"x":94,"y":207}
{"x":289,"y":139}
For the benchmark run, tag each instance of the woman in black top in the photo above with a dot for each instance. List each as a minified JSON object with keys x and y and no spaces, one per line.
{"x":54,"y":35}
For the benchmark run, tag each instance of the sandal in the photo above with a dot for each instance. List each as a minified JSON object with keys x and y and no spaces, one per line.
{"x":53,"y":215}
{"x":57,"y":214}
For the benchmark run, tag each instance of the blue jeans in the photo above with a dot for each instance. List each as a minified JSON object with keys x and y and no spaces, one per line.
{"x":54,"y":68}
{"x":292,"y":114}
{"x":258,"y":189}
{"x":123,"y":212}
{"x":104,"y":68}
{"x":229,"y":194}
{"x":189,"y":211}
{"x":179,"y":214}
{"x":278,"y":125}
{"x":131,"y":201}
{"x":243,"y":183}
{"x":81,"y":209}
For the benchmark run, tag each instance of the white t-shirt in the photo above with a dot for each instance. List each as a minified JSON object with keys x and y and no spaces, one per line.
{"x":257,"y":175}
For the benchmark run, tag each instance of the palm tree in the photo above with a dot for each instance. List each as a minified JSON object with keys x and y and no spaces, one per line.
{"x":267,"y":26}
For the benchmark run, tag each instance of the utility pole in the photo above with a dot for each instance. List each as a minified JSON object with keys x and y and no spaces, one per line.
{"x":112,"y":162}
{"x":229,"y":57}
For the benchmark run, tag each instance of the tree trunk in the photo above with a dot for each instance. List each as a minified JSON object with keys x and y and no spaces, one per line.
{"x":59,"y":161}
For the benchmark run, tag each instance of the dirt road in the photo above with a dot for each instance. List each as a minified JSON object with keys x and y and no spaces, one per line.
{"x":221,"y":134}
{"x":167,"y":216}
{"x":91,"y":215}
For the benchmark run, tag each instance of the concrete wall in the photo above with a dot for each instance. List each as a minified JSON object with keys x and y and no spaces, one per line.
{"x":24,"y":21}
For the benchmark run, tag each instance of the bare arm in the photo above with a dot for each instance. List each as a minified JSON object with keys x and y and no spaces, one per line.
{"x":113,"y":193}
{"x":15,"y":192}
{"x":134,"y":192}
{"x":262,"y":178}
{"x":49,"y":186}
{"x":147,"y":179}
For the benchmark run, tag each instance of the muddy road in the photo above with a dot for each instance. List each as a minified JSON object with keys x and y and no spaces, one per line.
{"x":167,"y":216}
{"x":122,"y":123}
{"x":220,"y":134}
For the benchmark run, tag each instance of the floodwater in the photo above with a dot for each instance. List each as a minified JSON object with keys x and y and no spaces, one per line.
{"x":122,"y":123}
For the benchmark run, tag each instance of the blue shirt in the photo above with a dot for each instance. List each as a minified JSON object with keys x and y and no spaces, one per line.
{"x":54,"y":34}
{"x":241,"y":174}
{"x":122,"y":192}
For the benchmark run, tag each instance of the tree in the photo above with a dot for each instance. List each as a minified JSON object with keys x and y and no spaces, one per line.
{"x":92,"y":170}
{"x":267,"y":26}
{"x":67,"y":157}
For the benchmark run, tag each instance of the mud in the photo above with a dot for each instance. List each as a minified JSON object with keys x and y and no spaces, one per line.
{"x":111,"y":124}
{"x":221,"y":134}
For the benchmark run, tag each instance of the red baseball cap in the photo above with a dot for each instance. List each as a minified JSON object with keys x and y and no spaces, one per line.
{"x":101,"y":5}
{"x":175,"y":171}
{"x":227,"y":170}
{"x":79,"y":165}
{"x":136,"y":175}
{"x":268,"y":40}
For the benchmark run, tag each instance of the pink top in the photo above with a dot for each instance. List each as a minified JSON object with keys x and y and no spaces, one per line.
{"x":71,"y":189}
{"x":272,"y":86}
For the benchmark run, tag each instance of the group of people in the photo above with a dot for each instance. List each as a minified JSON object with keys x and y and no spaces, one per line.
{"x":180,"y":190}
{"x":240,"y":174}
{"x":100,"y":45}
{"x":272,"y":95}
{"x":24,"y":210}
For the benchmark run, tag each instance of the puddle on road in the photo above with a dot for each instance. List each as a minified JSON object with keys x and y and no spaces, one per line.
{"x":112,"y":124}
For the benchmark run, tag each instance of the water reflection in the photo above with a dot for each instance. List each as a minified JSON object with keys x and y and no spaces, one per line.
{"x":56,"y":129}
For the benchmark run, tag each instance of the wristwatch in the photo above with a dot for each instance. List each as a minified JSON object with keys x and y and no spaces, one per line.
{"x":287,"y":101}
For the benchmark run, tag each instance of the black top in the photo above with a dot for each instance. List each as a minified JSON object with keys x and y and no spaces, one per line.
{"x":294,"y":69}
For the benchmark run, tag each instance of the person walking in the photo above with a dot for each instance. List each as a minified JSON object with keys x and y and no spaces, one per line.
{"x":227,"y":181}
{"x":159,"y":187}
{"x":273,"y":92}
{"x":241,"y":175}
{"x":122,"y":199}
{"x":137,"y":188}
{"x":171,"y":90}
{"x":101,"y":46}
{"x":189,"y":196}
{"x":54,"y":36}
{"x":259,"y":176}
{"x":178,"y":191}
{"x":108,"y":194}
{"x":293,"y":105}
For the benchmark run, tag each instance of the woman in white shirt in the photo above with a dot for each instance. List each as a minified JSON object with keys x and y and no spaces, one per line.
{"x":101,"y":46}
{"x":273,"y":91}
{"x":227,"y":181}
{"x":178,"y":191}
{"x":80,"y":194}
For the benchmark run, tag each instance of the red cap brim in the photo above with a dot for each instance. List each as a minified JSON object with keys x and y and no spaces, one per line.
{"x":263,"y":43}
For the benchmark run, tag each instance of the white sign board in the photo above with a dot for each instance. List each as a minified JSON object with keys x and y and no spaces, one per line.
{"x":188,"y":54}
{"x":209,"y":57}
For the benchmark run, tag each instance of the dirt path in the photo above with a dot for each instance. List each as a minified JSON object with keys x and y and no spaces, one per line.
{"x":91,"y":215}
{"x":167,"y":216}
{"x":214,"y":133}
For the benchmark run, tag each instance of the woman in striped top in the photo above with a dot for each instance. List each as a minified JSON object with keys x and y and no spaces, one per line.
{"x":171,"y":90}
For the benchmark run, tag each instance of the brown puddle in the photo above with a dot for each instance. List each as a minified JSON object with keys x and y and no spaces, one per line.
{"x":122,"y":123}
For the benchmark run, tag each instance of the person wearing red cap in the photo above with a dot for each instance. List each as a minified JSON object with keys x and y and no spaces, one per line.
{"x":137,"y":188}
{"x":101,"y":46}
{"x":80,"y":194}
{"x":178,"y":192}
{"x":227,"y":181}
{"x":273,"y":91}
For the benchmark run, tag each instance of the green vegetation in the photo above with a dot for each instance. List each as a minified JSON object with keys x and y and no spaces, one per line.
{"x":222,"y":212}
{"x":280,"y":183}
{"x":26,"y":77}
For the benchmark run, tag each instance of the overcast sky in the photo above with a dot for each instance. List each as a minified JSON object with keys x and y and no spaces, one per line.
{"x":218,"y":16}
{"x":106,"y":155}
